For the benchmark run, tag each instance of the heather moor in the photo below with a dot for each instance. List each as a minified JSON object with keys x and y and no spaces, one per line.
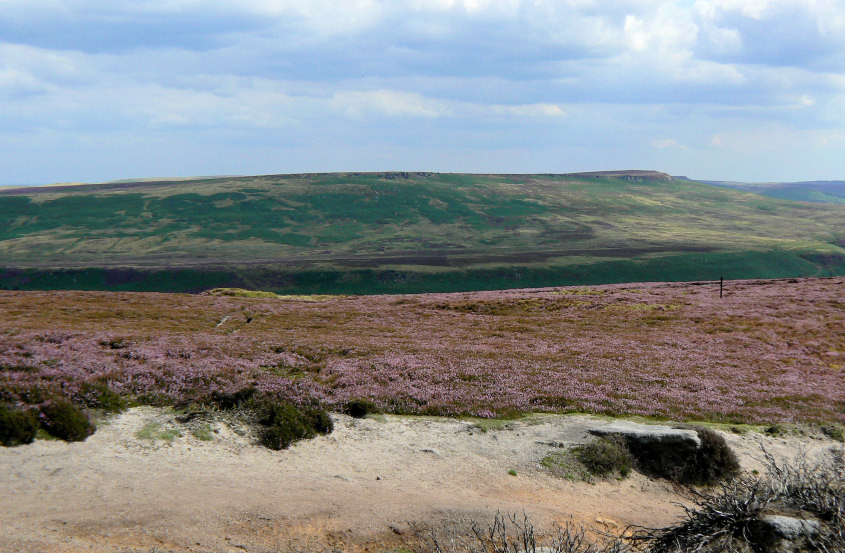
{"x":766,"y":352}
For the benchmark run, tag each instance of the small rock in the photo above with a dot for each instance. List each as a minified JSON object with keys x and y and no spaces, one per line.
{"x":790,"y":528}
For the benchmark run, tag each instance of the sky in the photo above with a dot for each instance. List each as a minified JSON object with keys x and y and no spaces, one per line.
{"x":745,"y":90}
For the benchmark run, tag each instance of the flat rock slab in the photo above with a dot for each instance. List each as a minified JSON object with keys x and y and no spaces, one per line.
{"x":650,"y":434}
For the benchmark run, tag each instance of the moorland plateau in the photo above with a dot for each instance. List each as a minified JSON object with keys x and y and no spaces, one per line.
{"x":364,"y":233}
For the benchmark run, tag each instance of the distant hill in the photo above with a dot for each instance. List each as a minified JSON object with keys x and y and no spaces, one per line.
{"x":406,"y":232}
{"x":827,"y":192}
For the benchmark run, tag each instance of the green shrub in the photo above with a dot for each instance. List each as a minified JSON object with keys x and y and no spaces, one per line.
{"x":100,"y":396}
{"x":286,"y":423}
{"x":17,"y":426}
{"x":713,"y":463}
{"x":606,"y":456}
{"x":66,"y":421}
{"x":359,"y":408}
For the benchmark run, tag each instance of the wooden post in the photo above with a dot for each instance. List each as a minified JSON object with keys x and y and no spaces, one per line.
{"x":721,"y":285}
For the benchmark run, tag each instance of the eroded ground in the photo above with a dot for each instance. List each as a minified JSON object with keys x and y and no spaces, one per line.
{"x":362,"y":487}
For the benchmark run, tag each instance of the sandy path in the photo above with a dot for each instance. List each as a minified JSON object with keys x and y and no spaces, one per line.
{"x":359,"y":487}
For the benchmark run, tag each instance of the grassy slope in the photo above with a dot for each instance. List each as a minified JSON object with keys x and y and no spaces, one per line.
{"x":359,"y":233}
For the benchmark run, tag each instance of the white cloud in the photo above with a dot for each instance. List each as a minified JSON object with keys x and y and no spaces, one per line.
{"x":39,"y":68}
{"x":394,"y":103}
{"x":486,"y":74}
{"x":386,"y":102}
{"x":665,"y":143}
{"x":527,"y":110}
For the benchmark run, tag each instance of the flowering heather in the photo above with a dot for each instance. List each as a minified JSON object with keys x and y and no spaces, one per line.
{"x":768,"y":351}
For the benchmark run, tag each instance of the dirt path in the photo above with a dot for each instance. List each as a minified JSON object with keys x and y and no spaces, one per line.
{"x":358,"y":488}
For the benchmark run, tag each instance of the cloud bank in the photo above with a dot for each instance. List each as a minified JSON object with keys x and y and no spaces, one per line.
{"x":721,"y":89}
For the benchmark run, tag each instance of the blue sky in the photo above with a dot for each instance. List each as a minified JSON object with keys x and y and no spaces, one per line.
{"x":749,"y":90}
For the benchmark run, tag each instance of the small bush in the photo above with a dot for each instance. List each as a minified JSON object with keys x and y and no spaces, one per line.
{"x":286,"y":423}
{"x":100,"y":396}
{"x":606,"y":456}
{"x":359,"y":408}
{"x":714,"y":462}
{"x":17,"y":426}
{"x":234,"y":399}
{"x":66,"y":421}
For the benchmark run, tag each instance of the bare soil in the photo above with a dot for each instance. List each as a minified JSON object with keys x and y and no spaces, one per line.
{"x":364,"y":487}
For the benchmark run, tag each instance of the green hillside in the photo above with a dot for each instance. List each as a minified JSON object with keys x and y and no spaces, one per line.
{"x":392,"y":232}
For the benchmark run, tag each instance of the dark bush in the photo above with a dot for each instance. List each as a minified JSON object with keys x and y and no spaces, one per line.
{"x":17,"y":426}
{"x":731,"y":517}
{"x":286,"y":423}
{"x":606,"y":456}
{"x":234,"y":399}
{"x":66,"y":421}
{"x":100,"y":396}
{"x":320,"y":420}
{"x":359,"y":408}
{"x":713,"y":463}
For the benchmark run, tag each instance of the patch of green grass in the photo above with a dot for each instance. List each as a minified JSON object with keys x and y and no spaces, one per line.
{"x":512,"y":472}
{"x":42,"y":434}
{"x":203,"y":433}
{"x":580,"y":292}
{"x":241,"y":293}
{"x":486,"y":425}
{"x":155,"y":431}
